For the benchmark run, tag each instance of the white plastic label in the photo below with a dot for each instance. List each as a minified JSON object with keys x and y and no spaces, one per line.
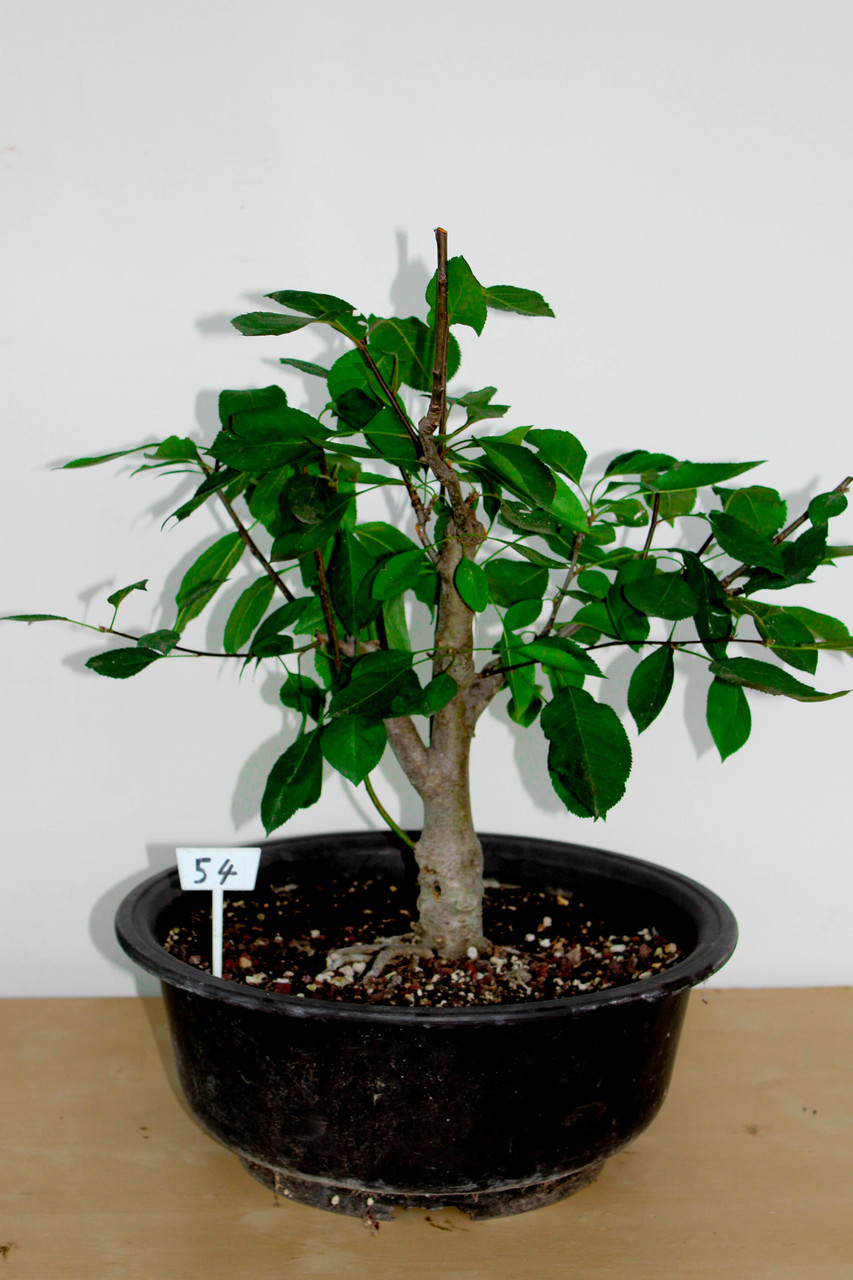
{"x":218,"y":870}
{"x":225,"y":869}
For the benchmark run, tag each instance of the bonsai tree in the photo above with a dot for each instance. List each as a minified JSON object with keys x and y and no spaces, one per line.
{"x":526,"y":567}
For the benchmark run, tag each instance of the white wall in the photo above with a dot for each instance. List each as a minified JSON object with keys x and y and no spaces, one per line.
{"x":674,"y":177}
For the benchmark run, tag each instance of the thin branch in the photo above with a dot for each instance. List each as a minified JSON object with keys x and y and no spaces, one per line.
{"x":385,"y":815}
{"x":468,"y":527}
{"x":394,"y":403}
{"x":326,"y":603}
{"x":561,"y":594}
{"x":195,"y":653}
{"x":248,"y":539}
{"x":409,"y":748}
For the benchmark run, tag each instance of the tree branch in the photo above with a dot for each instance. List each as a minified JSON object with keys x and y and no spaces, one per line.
{"x":326,"y":603}
{"x":410,"y":750}
{"x":644,"y":555}
{"x":254,"y":548}
{"x":561,"y":594}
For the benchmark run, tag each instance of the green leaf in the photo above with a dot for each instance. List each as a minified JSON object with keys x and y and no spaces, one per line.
{"x":351,"y":372}
{"x":638,"y":462}
{"x":536,"y":557}
{"x":820,"y":624}
{"x":521,"y":470}
{"x":562,"y":654}
{"x":265,"y":440}
{"x":567,"y":508}
{"x":268,"y":641}
{"x":666,"y":595}
{"x":211,"y":484}
{"x":381,"y":686}
{"x":350,"y":567}
{"x":560,"y":450}
{"x":247,"y":613}
{"x":295,"y":781}
{"x":650,"y":686}
{"x":436,"y":695}
{"x":394,"y":630}
{"x":524,"y":302}
{"x":511,"y":581}
{"x":309,"y":303}
{"x":594,"y":582}
{"x":825,"y":506}
{"x":695,"y":475}
{"x":760,"y":508}
{"x":397,"y":574}
{"x":354,"y":745}
{"x":309,"y":499}
{"x":519,"y":673}
{"x":670,"y":505}
{"x":304,"y":538}
{"x":478,"y":405}
{"x":784,"y":632}
{"x":472,"y":584}
{"x":303,"y":695}
{"x":380,"y":538}
{"x":103,"y":457}
{"x":768,"y":679}
{"x":34,"y":617}
{"x":116,"y":598}
{"x":256,"y":398}
{"x":712,"y":617}
{"x":305,"y":366}
{"x":390,"y":439}
{"x":122,"y":663}
{"x":728,"y":715}
{"x":522,"y":614}
{"x":466,"y":299}
{"x":163,"y":641}
{"x":742,"y":542}
{"x":204,"y":578}
{"x":589,"y":758}
{"x":413,"y":343}
{"x":268,"y":324}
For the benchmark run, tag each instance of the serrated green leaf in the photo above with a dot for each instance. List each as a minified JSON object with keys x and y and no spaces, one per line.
{"x":119,"y":664}
{"x":354,"y":745}
{"x":519,"y":672}
{"x":650,"y":686}
{"x":163,"y":641}
{"x":413,"y":344}
{"x":466,"y":299}
{"x":247,"y":613}
{"x":249,"y":401}
{"x":268,"y":324}
{"x":269,"y":640}
{"x":768,"y":679}
{"x":520,"y":469}
{"x":594,"y":582}
{"x":34,"y":617}
{"x":206,"y":575}
{"x":303,"y":695}
{"x":638,"y":462}
{"x":562,"y":654}
{"x":349,"y":570}
{"x":566,"y":508}
{"x":589,"y":758}
{"x":760,"y":508}
{"x":522,"y":614}
{"x":511,"y":581}
{"x":825,"y":506}
{"x":728,"y":716}
{"x":524,"y":302}
{"x":560,"y":450}
{"x":441,"y":690}
{"x":308,"y":498}
{"x":397,"y":574}
{"x":820,"y":624}
{"x":478,"y":405}
{"x":117,"y":596}
{"x":712,"y":617}
{"x":742,"y":542}
{"x":103,"y":457}
{"x":295,"y":781}
{"x":382,"y":685}
{"x":390,"y":439}
{"x":392,"y":624}
{"x":472,"y":584}
{"x":309,"y":302}
{"x":305,"y":538}
{"x":694,"y":475}
{"x":305,"y":366}
{"x":666,"y":595}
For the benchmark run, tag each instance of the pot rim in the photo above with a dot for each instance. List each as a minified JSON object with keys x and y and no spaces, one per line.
{"x":715,"y":924}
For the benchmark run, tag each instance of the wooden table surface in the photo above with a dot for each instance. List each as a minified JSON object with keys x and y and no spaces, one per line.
{"x":746,"y":1172}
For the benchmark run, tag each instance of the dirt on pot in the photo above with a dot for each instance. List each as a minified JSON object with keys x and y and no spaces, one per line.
{"x":545,"y":945}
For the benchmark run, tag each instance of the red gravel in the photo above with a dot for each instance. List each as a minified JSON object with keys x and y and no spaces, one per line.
{"x":544,"y":946}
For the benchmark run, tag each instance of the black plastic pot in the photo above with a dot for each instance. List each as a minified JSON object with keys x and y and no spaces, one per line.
{"x":493,"y":1110}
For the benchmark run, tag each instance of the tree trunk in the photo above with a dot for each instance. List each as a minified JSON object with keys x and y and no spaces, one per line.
{"x":449,"y":857}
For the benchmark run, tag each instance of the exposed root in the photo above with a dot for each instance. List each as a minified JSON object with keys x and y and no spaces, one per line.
{"x":378,"y":955}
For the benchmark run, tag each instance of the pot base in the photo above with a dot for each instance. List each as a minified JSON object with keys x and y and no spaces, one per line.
{"x":380,"y":1205}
